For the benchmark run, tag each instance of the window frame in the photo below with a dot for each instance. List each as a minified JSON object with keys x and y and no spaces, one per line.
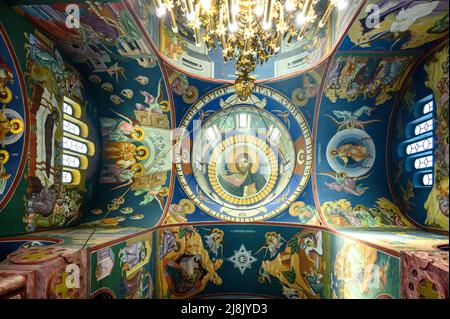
{"x":74,"y":118}
{"x":411,"y":137}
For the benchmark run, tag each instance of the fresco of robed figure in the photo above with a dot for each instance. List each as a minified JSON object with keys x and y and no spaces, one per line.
{"x":240,"y":179}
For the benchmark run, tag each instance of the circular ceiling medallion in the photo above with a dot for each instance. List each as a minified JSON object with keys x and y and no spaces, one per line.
{"x":351,"y":151}
{"x":246,"y":160}
{"x":238,"y":159}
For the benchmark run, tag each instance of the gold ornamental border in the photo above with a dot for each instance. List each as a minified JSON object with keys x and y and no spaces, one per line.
{"x":279,"y":98}
{"x":243,"y":139}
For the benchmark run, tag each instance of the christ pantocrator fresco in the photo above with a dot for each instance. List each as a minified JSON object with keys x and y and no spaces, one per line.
{"x":239,"y":179}
{"x":248,"y":160}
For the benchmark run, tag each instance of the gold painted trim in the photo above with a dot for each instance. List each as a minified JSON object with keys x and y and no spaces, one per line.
{"x":306,"y":132}
{"x":259,"y":143}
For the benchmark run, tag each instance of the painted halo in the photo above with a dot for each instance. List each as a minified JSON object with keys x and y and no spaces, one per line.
{"x":16,"y":127}
{"x":226,"y":156}
{"x":243,"y":164}
{"x":191,"y":95}
{"x":13,"y":117}
{"x":351,"y":151}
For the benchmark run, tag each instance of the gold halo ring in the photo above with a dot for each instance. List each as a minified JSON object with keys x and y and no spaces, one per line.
{"x":8,"y":97}
{"x":16,"y":126}
{"x":145,"y":155}
{"x":4,"y":156}
{"x":138,"y":134}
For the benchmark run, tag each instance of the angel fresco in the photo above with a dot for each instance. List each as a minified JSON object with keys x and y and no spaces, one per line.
{"x":113,"y":174}
{"x":154,"y":104}
{"x":184,"y":266}
{"x":274,"y":241}
{"x":151,"y":193}
{"x":342,"y":182}
{"x":299,"y":268}
{"x":351,"y":119}
{"x":384,"y":214}
{"x":132,"y":255}
{"x":367,"y":77}
{"x":358,"y":271}
{"x":214,"y":242}
{"x":121,"y":130}
{"x":114,"y":71}
{"x":419,"y":22}
{"x":437,"y":203}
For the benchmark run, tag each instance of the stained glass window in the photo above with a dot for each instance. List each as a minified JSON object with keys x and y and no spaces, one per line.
{"x":71,"y":161}
{"x":420,"y":146}
{"x":423,"y":162}
{"x":75,"y":131}
{"x":67,"y":108}
{"x":75,"y":146}
{"x":427,"y":179}
{"x":71,"y":127}
{"x":67,"y":177}
{"x":423,"y":127}
{"x":427,"y":108}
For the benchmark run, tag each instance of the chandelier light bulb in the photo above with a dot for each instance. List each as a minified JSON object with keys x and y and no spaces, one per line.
{"x":235,"y":9}
{"x":206,"y":4}
{"x":190,"y":16}
{"x":233,"y":27}
{"x":266,"y":25}
{"x":342,"y":4}
{"x":161,"y":11}
{"x":160,"y":8}
{"x":259,"y":9}
{"x":289,"y":5}
{"x":247,"y":31}
{"x":300,"y":19}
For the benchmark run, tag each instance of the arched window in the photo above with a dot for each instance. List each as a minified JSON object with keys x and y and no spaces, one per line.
{"x":422,"y":145}
{"x":417,"y":149}
{"x":71,"y":127}
{"x":76,"y":147}
{"x":67,"y":177}
{"x":71,"y":161}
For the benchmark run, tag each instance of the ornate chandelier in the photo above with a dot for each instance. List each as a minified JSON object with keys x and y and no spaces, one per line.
{"x":247,"y":31}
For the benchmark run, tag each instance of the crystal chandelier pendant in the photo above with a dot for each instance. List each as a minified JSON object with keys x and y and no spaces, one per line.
{"x":248,"y":32}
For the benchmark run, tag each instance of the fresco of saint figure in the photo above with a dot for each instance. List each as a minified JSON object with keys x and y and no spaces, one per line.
{"x":347,"y":152}
{"x":239,"y":179}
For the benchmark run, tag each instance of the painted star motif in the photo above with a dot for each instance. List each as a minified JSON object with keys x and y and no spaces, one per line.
{"x":242,"y":259}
